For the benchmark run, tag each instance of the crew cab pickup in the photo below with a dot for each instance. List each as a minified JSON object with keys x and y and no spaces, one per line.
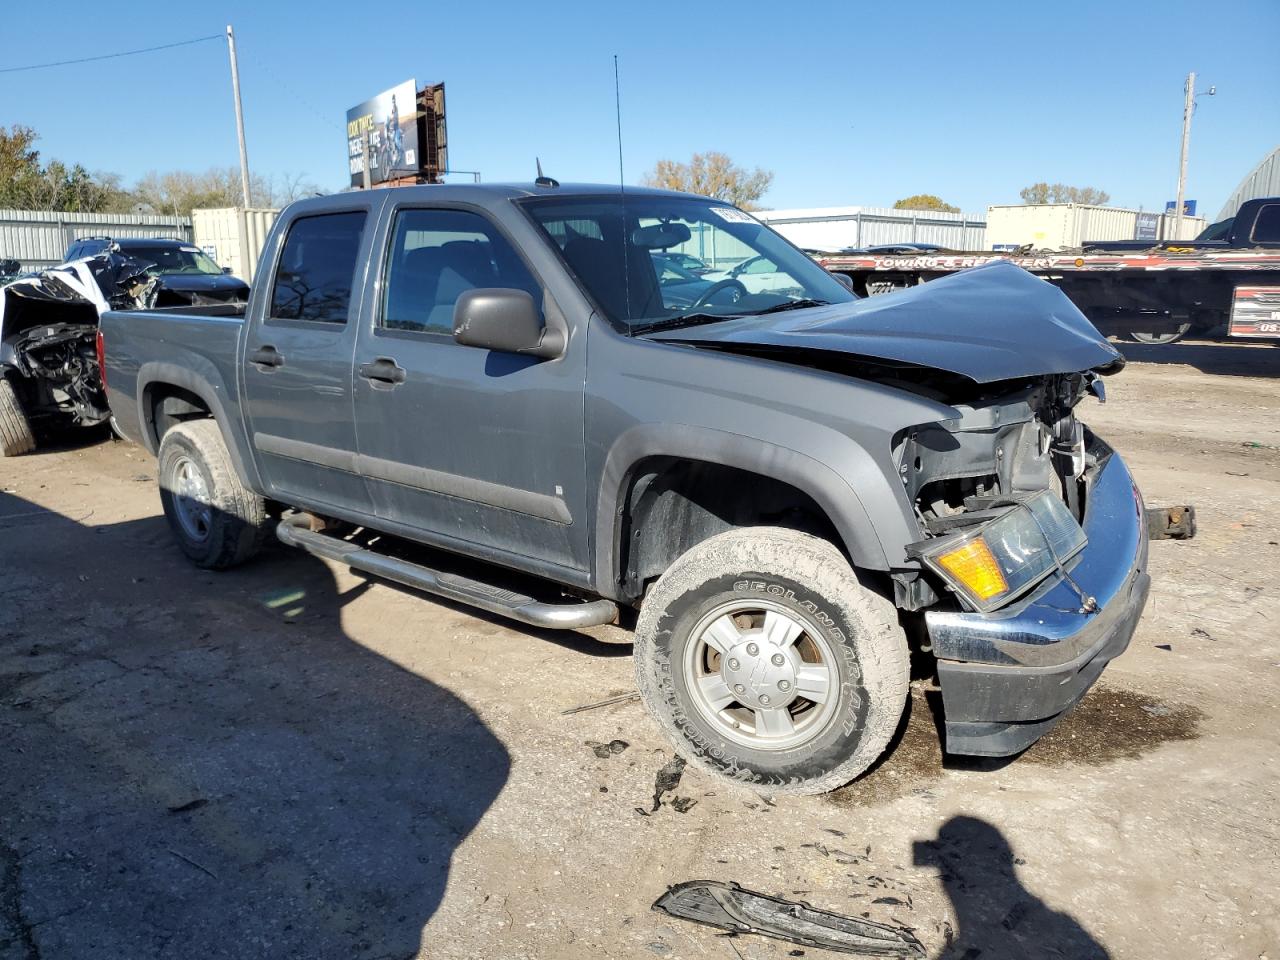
{"x":485,"y":393}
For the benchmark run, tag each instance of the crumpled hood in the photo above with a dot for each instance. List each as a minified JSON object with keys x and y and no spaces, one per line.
{"x":988,"y":323}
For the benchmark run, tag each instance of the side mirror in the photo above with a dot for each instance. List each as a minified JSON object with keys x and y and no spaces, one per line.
{"x":498,"y":318}
{"x":226,"y":269}
{"x":845,"y":280}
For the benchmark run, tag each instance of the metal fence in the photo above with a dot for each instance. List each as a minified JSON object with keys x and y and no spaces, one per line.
{"x":39,"y":238}
{"x":834,"y":228}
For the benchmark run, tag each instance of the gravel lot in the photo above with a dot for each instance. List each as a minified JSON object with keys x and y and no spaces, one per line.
{"x":289,"y":761}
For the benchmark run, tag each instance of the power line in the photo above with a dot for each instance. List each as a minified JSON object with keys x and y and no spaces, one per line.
{"x":112,"y":56}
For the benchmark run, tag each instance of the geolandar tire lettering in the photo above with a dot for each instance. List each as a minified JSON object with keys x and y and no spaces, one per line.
{"x":217,"y":521}
{"x":770,"y":664}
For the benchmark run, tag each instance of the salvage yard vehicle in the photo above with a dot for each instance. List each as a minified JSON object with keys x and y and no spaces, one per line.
{"x":189,"y":275}
{"x":480,"y":392}
{"x":1228,"y":276}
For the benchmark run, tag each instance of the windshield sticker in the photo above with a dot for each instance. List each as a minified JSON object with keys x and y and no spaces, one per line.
{"x":733,"y":215}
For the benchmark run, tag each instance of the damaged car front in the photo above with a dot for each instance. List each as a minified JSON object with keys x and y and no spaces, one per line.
{"x":1029,"y":571}
{"x":50,"y":370}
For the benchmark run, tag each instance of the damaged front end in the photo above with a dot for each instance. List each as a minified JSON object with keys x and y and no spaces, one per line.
{"x":1035,"y":557}
{"x":48,"y":333}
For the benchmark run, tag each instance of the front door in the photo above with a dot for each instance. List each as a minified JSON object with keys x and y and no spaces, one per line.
{"x":471,"y":447}
{"x":297,"y":364}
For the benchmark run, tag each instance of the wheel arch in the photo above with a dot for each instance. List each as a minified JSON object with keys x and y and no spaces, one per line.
{"x":646,"y":449}
{"x":160,"y":381}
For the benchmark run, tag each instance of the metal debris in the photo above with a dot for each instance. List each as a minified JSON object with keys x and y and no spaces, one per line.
{"x":621,"y":698}
{"x":728,"y":906}
{"x":1171,"y":523}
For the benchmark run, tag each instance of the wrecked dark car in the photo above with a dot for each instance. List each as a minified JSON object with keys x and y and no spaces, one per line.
{"x":49,"y":369}
{"x":482,"y":392}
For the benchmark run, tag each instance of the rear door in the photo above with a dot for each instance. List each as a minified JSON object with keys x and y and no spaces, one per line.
{"x":464,"y":445}
{"x":297,"y":372}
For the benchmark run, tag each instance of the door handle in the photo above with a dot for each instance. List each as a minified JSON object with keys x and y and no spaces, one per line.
{"x":383,"y":372}
{"x":266,"y":356}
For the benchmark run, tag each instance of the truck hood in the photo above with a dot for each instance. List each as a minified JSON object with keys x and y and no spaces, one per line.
{"x":989,"y":323}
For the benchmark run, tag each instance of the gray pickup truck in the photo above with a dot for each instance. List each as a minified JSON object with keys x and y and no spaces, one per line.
{"x":492,"y":393}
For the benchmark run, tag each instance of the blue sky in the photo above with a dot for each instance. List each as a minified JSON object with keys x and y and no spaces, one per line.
{"x":853,"y":103}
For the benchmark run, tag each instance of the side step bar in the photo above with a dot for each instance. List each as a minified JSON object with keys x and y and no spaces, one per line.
{"x":295,"y":531}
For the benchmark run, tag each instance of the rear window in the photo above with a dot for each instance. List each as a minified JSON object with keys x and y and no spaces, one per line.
{"x":317,"y":268}
{"x":1266,"y":229}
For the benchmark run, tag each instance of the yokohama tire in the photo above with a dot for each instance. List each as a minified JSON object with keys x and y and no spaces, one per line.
{"x":16,"y":437}
{"x":216,"y":520}
{"x":806,"y":582}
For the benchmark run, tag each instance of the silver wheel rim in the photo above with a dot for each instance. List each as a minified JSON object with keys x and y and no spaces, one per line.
{"x":191,"y":499}
{"x":761,"y":675}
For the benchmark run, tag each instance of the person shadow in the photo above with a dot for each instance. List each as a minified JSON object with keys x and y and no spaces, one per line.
{"x":207,"y":764}
{"x":997,"y":918}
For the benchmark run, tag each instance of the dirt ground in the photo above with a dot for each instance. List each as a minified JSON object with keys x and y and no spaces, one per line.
{"x":287,"y":760}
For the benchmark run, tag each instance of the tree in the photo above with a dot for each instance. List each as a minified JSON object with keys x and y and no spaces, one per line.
{"x":1062,"y":193}
{"x":925,"y":201}
{"x":714,"y":175}
{"x":25,"y":184}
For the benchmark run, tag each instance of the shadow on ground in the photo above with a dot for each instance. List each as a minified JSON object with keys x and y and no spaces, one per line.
{"x":997,"y":918}
{"x":1234,"y":358}
{"x":201,"y":764}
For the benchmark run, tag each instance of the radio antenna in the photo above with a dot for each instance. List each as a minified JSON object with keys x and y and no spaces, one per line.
{"x":617,"y":103}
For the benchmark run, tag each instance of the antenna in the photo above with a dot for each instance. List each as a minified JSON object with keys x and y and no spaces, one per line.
{"x":542,"y":180}
{"x":622,"y":190}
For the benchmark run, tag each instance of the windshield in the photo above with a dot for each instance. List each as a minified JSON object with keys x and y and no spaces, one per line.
{"x":173,"y":260}
{"x":620,"y":249}
{"x":1218,"y":231}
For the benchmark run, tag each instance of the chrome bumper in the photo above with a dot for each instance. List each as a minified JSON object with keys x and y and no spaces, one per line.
{"x":1008,"y":676}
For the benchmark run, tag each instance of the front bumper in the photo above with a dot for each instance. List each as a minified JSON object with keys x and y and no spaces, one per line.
{"x":1009,"y":676}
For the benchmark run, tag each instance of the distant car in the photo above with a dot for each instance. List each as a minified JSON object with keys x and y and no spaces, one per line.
{"x":757,"y":274}
{"x":188,"y":274}
{"x":686,"y":261}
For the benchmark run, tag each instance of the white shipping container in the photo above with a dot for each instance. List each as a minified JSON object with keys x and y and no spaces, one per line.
{"x":834,"y":228}
{"x":1065,"y":226}
{"x":233,"y":237}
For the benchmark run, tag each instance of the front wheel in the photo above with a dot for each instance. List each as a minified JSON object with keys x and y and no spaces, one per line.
{"x":769,"y":663}
{"x":16,"y":437}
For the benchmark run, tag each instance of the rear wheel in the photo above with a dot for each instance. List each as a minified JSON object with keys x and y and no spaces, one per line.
{"x":16,"y":437}
{"x":768,"y":663}
{"x":217,"y":521}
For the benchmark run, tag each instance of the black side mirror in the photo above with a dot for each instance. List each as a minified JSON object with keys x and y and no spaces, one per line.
{"x":499,"y":318}
{"x":226,"y":269}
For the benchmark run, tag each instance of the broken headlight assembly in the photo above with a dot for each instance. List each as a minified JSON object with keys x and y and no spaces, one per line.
{"x":992,"y":564}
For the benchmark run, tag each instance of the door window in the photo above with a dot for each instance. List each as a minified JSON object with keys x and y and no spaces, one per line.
{"x":317,"y":268}
{"x":1266,"y":229}
{"x":435,"y":257}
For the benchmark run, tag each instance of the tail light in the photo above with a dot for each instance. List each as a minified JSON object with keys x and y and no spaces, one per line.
{"x":100,"y":346}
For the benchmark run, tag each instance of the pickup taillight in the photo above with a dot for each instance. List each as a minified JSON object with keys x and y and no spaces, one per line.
{"x":100,"y":347}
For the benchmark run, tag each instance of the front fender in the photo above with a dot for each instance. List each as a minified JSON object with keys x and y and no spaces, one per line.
{"x":829,"y":490}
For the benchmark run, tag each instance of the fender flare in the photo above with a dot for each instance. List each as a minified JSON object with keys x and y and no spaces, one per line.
{"x":830,"y":491}
{"x":202,"y":379}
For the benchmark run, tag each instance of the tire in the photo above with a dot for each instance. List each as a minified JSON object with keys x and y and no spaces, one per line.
{"x":1159,"y":339}
{"x":16,"y":437}
{"x":217,"y":521}
{"x":846,"y":630}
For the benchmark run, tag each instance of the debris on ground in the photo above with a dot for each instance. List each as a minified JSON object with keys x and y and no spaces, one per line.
{"x":621,"y":698}
{"x":606,"y":750}
{"x":667,"y":780}
{"x":729,"y":907}
{"x":1171,"y":523}
{"x":683,"y":804}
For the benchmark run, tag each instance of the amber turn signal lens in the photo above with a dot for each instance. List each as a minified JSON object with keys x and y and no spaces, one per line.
{"x":974,"y":565}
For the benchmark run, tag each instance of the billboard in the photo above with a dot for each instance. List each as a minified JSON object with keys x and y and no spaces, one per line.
{"x":1146,"y":227}
{"x":1188,"y":208}
{"x":391,"y":121}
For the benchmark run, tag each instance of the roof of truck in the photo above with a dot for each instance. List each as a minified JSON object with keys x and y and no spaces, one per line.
{"x":481,"y":194}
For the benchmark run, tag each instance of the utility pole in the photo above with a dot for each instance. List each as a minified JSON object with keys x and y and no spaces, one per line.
{"x":235,"y":89}
{"x":1188,"y":107}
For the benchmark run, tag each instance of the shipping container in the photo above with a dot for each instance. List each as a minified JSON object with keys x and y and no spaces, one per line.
{"x":39,"y":238}
{"x":1065,"y":226}
{"x":233,"y":237}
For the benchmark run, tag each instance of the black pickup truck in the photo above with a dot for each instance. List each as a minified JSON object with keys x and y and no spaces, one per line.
{"x":485,"y":392}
